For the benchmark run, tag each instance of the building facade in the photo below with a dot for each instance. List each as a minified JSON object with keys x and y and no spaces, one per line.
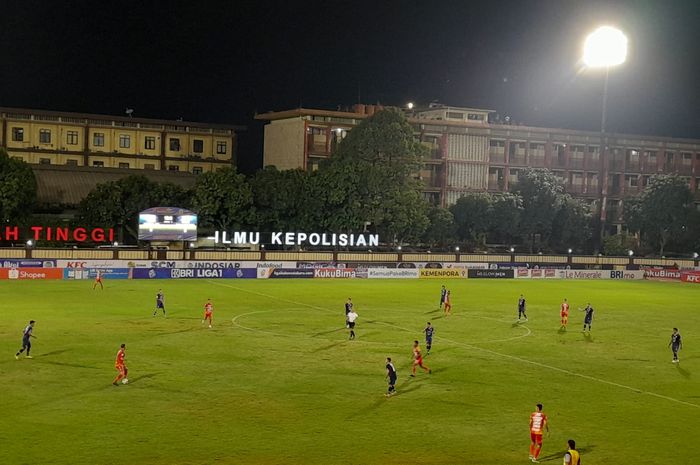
{"x":467,"y":153}
{"x":76,"y":139}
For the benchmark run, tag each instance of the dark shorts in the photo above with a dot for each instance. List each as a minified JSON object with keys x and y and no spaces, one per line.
{"x":392,"y":381}
{"x":26,"y":342}
{"x":587,"y":322}
{"x":428,"y":340}
{"x":160,"y":305}
{"x":351,"y":325}
{"x":675,"y":348}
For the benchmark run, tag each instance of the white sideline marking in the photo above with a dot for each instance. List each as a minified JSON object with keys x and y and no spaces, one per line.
{"x":481,"y":349}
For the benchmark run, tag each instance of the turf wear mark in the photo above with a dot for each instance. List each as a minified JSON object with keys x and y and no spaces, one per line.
{"x":488,"y":351}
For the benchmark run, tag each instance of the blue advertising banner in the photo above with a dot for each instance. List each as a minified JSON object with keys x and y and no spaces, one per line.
{"x":193,"y":273}
{"x":91,"y":273}
{"x":9,"y":263}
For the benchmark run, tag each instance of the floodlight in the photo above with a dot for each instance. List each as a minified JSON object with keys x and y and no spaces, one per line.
{"x":605,"y":47}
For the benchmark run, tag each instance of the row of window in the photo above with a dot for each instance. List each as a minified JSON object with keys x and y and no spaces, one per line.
{"x":98,"y":140}
{"x":123,"y":165}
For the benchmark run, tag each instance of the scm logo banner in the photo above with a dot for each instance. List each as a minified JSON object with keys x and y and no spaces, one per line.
{"x":442,"y":273}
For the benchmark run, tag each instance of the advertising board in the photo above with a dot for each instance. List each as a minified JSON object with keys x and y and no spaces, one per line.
{"x":393,"y":273}
{"x":192,"y":273}
{"x":662,"y":274}
{"x":335,"y":273}
{"x":9,"y":263}
{"x":690,"y":277}
{"x":31,"y":273}
{"x":285,"y":273}
{"x":498,"y":274}
{"x":91,"y":273}
{"x":442,"y":273}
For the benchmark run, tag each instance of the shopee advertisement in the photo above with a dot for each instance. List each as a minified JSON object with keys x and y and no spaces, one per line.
{"x":31,"y":273}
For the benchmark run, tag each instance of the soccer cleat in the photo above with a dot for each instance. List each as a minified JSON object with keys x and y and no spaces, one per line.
{"x":115,"y":384}
{"x":29,"y":356}
{"x":534,"y":460}
{"x":430,"y":372}
{"x":413,"y":376}
{"x":16,"y":357}
{"x":525,"y":319}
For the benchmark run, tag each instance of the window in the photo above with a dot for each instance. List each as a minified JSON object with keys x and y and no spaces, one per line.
{"x":124,"y":141}
{"x":198,"y":146}
{"x":475,"y":117}
{"x":455,"y":115}
{"x":123,"y":164}
{"x":98,"y":139}
{"x":72,"y":162}
{"x":72,"y":137}
{"x":221,"y":147}
{"x":536,"y":146}
{"x":18,"y":158}
{"x":44,"y":136}
{"x":496,"y":143}
{"x":150,"y":143}
{"x":174,"y":144}
{"x":44,"y":161}
{"x":98,"y":163}
{"x":197,"y":170}
{"x":173,"y":168}
{"x":687,"y":158}
{"x":18,"y":134}
{"x":149,"y":166}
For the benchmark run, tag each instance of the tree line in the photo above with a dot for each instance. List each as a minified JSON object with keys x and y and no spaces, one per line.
{"x":370,"y":184}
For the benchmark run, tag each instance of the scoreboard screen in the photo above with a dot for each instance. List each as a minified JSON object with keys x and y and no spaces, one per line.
{"x":167,"y":224}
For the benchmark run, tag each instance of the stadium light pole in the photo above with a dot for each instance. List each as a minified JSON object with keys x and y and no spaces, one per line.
{"x":604,"y":48}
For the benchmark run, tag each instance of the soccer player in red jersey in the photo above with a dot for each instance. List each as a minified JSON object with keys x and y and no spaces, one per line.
{"x":564,"y":314}
{"x":120,"y":366}
{"x":448,"y":304}
{"x":538,"y":423}
{"x":208,"y":310}
{"x":418,"y":359}
{"x":98,"y":280}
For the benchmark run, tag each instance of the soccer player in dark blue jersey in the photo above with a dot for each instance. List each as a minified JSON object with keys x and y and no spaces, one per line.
{"x":588,"y":318}
{"x":443,"y":296}
{"x":160,"y":303}
{"x":348,"y":309}
{"x":675,"y":344}
{"x":521,"y":308}
{"x":26,"y":343}
{"x":391,"y":375}
{"x":428,"y":337}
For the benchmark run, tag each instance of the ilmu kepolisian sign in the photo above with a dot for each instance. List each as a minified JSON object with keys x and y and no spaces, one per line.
{"x":296,"y":239}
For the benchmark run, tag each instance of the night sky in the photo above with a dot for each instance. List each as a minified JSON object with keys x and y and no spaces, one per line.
{"x":224,"y":61}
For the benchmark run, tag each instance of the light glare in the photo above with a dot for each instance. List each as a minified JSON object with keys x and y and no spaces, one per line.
{"x":606,"y":46}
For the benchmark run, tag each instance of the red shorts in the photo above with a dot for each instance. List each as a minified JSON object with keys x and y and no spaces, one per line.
{"x":207,"y":316}
{"x":536,"y":438}
{"x":121,"y":369}
{"x":418,"y":361}
{"x":565,"y":315}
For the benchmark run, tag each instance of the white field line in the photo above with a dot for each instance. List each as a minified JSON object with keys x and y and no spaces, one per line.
{"x":488,"y":351}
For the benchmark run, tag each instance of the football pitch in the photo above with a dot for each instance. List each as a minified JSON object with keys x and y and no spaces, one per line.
{"x":276,"y":381}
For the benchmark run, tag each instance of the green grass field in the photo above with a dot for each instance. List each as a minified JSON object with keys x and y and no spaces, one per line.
{"x":276,"y":381}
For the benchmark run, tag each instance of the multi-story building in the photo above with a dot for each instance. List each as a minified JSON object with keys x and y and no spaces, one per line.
{"x":60,"y":138}
{"x":467,"y":153}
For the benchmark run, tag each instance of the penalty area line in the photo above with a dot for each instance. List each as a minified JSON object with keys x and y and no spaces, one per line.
{"x":488,"y":351}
